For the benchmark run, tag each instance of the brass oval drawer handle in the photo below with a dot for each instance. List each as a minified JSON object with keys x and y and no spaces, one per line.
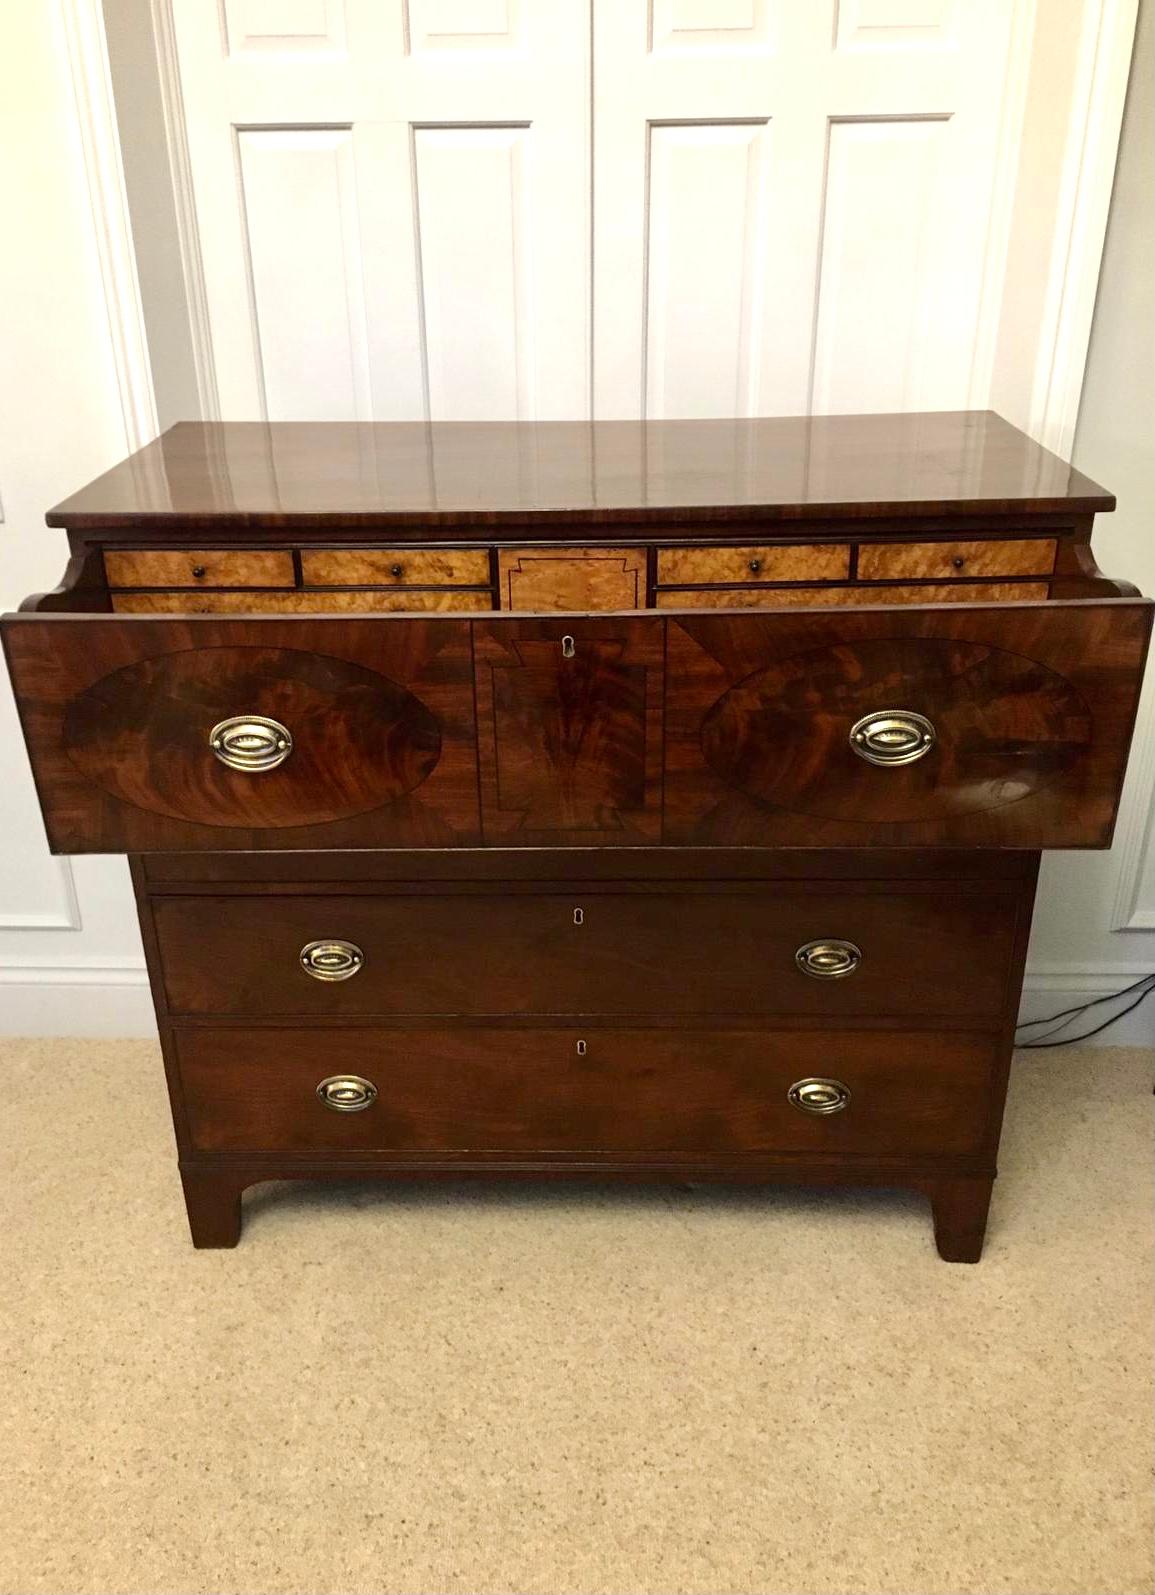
{"x":347,"y":1093}
{"x":251,"y":743}
{"x":892,"y":736}
{"x":829,"y":959}
{"x":819,"y":1096}
{"x":331,"y":960}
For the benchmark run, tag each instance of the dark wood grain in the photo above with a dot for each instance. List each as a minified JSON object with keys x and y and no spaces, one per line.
{"x":117,"y":715}
{"x":593,"y":951}
{"x":570,"y":748}
{"x":520,"y":1090}
{"x":330,"y":474}
{"x":1034,"y":708}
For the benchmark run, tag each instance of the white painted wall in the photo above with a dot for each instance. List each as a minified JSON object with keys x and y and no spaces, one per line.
{"x":70,"y":400}
{"x":70,"y":958}
{"x":1096,"y":912}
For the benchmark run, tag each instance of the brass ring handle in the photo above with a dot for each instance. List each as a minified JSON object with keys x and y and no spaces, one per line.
{"x":892,"y":736}
{"x":829,"y":959}
{"x":331,"y":960}
{"x":251,"y":743}
{"x":347,"y":1093}
{"x":815,"y":1095}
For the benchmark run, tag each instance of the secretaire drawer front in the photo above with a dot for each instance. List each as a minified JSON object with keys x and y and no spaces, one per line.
{"x":975,"y":726}
{"x":205,"y":567}
{"x":805,"y":949}
{"x":221,"y":734}
{"x":490,"y":1090}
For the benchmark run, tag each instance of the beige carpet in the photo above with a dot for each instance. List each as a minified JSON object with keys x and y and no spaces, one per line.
{"x":569,"y":1390}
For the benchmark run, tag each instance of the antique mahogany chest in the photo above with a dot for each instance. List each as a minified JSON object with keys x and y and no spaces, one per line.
{"x":641,"y":799}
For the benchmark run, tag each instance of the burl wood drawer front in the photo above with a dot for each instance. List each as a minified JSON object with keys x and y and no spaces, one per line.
{"x":541,"y":579}
{"x":328,"y":601}
{"x":206,"y":567}
{"x":1028,"y":556}
{"x":800,"y":563}
{"x":481,"y":1089}
{"x":802,"y":950}
{"x":395,"y":567}
{"x":858,"y":597}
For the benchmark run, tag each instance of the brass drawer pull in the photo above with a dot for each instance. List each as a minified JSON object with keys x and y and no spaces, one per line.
{"x":331,"y":960}
{"x":829,"y":959}
{"x":818,"y":1096}
{"x":250,"y":742}
{"x":892,"y":736}
{"x":347,"y":1093}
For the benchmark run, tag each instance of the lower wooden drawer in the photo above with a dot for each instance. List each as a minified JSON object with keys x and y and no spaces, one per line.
{"x":491,"y":1089}
{"x":931,"y":949}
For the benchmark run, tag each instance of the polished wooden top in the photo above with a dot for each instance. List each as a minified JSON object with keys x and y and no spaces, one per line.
{"x":254,"y":475}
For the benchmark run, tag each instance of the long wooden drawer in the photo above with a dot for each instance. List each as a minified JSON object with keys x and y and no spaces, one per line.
{"x":203,"y":567}
{"x":798,"y":562}
{"x":1027,"y":556}
{"x":855,"y":597}
{"x":493,"y":1090}
{"x":806,"y":949}
{"x":321,"y":601}
{"x":395,"y":567}
{"x":1001,"y":726}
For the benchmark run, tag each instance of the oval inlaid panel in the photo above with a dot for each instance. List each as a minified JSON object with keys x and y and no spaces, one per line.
{"x":359,"y":739}
{"x":1005,"y":725}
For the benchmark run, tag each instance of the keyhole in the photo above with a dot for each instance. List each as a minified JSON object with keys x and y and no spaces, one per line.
{"x":582,"y":1049}
{"x":567,"y":647}
{"x":579,"y":917}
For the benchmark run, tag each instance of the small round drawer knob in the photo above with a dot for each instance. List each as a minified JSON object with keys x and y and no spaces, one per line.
{"x":755,"y":566}
{"x":347,"y":1093}
{"x":818,"y":1096}
{"x":198,"y":571}
{"x":892,"y":736}
{"x":250,"y":742}
{"x":828,"y":960}
{"x":396,"y":570}
{"x":958,"y":562}
{"x":331,"y":960}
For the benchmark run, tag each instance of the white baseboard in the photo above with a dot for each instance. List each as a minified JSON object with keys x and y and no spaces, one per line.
{"x":76,"y":998}
{"x":86,"y":998}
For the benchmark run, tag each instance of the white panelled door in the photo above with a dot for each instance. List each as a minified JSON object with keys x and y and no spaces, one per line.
{"x":793,"y":203}
{"x":393,"y":204}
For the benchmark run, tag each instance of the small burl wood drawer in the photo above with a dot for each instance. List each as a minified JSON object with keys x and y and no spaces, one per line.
{"x":805,"y":597}
{"x":489,"y":1090}
{"x":802,"y":950}
{"x":537,"y":580}
{"x":806,"y":562}
{"x":326,"y":601}
{"x":1028,"y":556}
{"x":395,"y":567}
{"x":202,"y":567}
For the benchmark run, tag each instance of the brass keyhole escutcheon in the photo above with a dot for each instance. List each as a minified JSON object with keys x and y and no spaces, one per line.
{"x":582,"y":1048}
{"x":568,"y":647}
{"x":579,"y":916}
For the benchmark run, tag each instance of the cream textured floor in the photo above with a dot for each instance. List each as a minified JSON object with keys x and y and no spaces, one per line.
{"x":570,"y":1390}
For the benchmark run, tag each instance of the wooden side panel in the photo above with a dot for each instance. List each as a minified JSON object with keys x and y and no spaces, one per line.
{"x":539,"y":579}
{"x":117,"y":715}
{"x":1032,"y":710}
{"x":570,"y":731}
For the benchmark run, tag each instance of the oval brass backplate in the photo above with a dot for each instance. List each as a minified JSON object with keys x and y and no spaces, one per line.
{"x":250,"y":742}
{"x":331,"y":960}
{"x":829,"y":958}
{"x":347,"y":1093}
{"x":815,"y":1095}
{"x":892,"y":736}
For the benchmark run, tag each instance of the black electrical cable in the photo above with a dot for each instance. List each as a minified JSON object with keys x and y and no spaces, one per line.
{"x":1069,"y":1014}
